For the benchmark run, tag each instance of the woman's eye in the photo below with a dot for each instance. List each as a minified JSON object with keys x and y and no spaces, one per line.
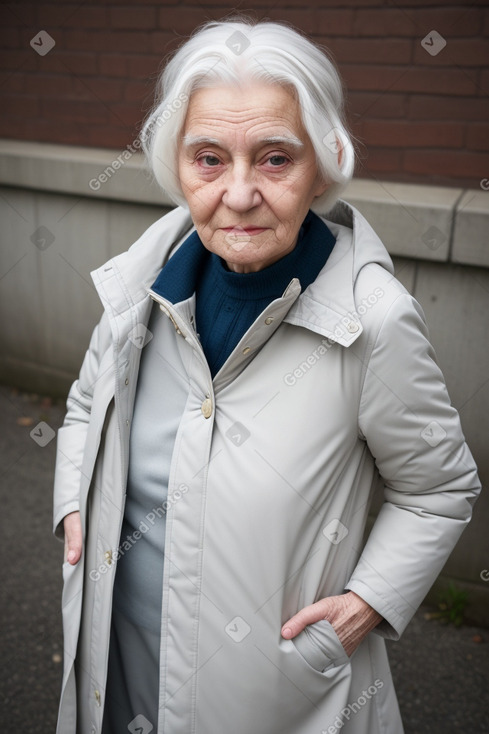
{"x":278,"y":160}
{"x":209,"y":160}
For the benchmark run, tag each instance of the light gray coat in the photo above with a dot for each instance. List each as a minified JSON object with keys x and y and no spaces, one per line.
{"x":275,"y":463}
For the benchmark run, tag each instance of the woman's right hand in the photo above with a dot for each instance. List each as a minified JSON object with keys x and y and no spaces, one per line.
{"x":73,"y":537}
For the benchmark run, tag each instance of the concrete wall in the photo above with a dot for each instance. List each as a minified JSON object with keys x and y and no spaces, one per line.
{"x":60,"y":219}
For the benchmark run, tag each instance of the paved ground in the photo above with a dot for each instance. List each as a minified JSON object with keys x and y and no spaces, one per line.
{"x":441,"y":673}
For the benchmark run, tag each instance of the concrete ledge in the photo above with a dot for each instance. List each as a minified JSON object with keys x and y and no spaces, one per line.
{"x":471,"y":231}
{"x":75,"y":170}
{"x":412,"y":220}
{"x":420,"y":222}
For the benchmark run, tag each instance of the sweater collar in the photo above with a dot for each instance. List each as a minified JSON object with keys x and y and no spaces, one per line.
{"x":123,"y":282}
{"x":178,"y":279}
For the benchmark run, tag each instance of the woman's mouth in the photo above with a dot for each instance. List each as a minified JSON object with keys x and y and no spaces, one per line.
{"x":249,"y":230}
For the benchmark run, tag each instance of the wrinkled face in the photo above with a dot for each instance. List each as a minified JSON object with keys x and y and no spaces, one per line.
{"x":248,"y":171}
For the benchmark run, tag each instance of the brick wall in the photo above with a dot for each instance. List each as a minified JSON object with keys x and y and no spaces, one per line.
{"x":417,"y":116}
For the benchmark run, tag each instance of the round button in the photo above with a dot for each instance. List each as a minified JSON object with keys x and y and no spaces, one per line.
{"x":246,"y":350}
{"x":126,"y":381}
{"x":352,"y":327}
{"x":269,"y":320}
{"x":206,"y":408}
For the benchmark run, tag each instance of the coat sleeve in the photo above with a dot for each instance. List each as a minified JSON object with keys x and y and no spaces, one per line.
{"x":430,"y":478}
{"x":73,"y":433}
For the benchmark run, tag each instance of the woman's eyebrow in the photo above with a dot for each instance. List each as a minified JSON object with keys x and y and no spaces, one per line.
{"x":189,"y":141}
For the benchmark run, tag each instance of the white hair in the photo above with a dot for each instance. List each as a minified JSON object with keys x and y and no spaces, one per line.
{"x":239,"y":50}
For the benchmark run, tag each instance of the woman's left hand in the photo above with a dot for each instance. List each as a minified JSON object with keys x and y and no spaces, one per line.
{"x":350,"y":616}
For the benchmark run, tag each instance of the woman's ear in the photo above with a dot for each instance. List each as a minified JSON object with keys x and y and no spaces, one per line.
{"x":321,"y":186}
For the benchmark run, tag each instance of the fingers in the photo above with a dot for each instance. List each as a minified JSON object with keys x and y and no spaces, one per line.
{"x":307,"y":615}
{"x":73,"y":537}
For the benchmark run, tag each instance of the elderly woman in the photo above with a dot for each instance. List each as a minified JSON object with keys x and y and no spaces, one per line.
{"x":256,"y":371}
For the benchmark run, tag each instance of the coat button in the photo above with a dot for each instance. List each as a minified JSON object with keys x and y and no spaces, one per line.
{"x":352,"y":327}
{"x":206,"y":408}
{"x":126,"y":381}
{"x":108,"y":557}
{"x":97,"y":697}
{"x":246,"y":350}
{"x":269,"y":320}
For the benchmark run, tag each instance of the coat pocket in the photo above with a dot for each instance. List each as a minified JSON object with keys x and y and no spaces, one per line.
{"x":320,"y":646}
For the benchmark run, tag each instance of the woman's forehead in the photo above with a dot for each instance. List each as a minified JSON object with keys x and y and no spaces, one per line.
{"x":266,"y":111}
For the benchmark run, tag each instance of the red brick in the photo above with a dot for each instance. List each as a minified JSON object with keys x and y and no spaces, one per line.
{"x":106,"y":41}
{"x":379,"y":160}
{"x":136,"y":17}
{"x":163,"y":43}
{"x":415,"y":22}
{"x":66,"y":15}
{"x":408,"y":79}
{"x":71,"y":63}
{"x":478,"y":137}
{"x":73,"y":110}
{"x":15,"y":60}
{"x":484,"y":82}
{"x":457,"y":52}
{"x":113,"y":137}
{"x":13,"y":16}
{"x":135,"y":91}
{"x":14,"y":83}
{"x":159,"y":3}
{"x":337,"y":22}
{"x":113,"y":65}
{"x":301,"y":18}
{"x":183,"y":20}
{"x":429,"y":107}
{"x":126,"y":114}
{"x":452,"y":163}
{"x":94,"y":88}
{"x":373,"y":51}
{"x":20,"y":105}
{"x":144,"y":66}
{"x":395,"y":134}
{"x":376,"y":105}
{"x":48,"y":85}
{"x":10,"y":38}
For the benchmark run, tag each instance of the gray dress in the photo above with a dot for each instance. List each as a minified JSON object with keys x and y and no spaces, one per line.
{"x":133,"y":673}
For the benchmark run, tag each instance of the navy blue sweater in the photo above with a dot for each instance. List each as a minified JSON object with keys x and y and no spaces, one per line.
{"x":227,"y":303}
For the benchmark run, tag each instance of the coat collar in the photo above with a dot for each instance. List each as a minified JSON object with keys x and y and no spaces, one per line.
{"x":326,"y":307}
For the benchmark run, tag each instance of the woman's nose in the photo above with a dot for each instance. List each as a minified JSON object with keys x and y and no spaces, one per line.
{"x":241,"y":192}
